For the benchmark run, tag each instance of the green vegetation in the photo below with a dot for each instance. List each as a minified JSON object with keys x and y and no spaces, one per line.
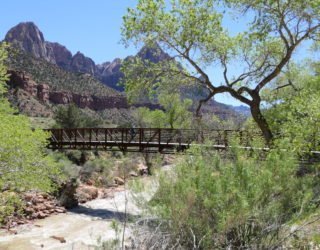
{"x":57,"y":78}
{"x":98,"y":171}
{"x":24,"y":164}
{"x":174,"y":115}
{"x":235,"y":199}
{"x":238,"y":199}
{"x":193,"y":33}
{"x":70,"y":116}
{"x":294,"y":114}
{"x":215,"y":203}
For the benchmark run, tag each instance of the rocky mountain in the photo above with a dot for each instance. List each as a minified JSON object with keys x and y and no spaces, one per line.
{"x":110,"y":74}
{"x":28,"y":38}
{"x":83,"y":64}
{"x":45,"y":94}
{"x":62,"y":56}
{"x":76,"y":78}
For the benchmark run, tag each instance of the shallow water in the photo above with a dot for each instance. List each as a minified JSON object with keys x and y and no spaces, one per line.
{"x":83,"y":227}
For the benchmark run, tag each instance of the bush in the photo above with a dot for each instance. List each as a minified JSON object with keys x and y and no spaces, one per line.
{"x":10,"y":205}
{"x":69,"y":169}
{"x":240,"y":203}
{"x":71,"y":116}
{"x":24,"y":162}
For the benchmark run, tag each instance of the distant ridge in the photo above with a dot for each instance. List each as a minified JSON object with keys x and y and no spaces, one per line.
{"x":28,"y":37}
{"x":53,"y":64}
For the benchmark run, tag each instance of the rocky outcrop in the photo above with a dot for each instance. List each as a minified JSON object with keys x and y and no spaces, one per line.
{"x":86,"y":193}
{"x":87,"y":101}
{"x":28,"y":37}
{"x":41,"y":205}
{"x":67,"y":194}
{"x":153,"y":53}
{"x":83,"y":64}
{"x":43,"y":93}
{"x":110,"y":74}
{"x":62,"y":55}
{"x":21,"y":80}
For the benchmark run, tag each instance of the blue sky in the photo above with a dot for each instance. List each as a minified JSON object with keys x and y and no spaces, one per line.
{"x":92,"y":27}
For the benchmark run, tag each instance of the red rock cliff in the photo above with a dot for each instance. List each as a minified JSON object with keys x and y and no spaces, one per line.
{"x":44,"y":94}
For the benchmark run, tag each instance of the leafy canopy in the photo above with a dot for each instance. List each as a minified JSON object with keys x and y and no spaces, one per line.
{"x":71,"y":116}
{"x":174,"y":115}
{"x":192,"y":32}
{"x":294,"y":111}
{"x":24,"y":164}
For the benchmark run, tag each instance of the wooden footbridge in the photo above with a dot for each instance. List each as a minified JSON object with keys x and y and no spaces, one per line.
{"x":141,"y":139}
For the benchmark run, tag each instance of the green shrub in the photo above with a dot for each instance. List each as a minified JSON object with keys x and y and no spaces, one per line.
{"x":10,"y":205}
{"x":70,"y":116}
{"x":242,"y":202}
{"x":69,"y":169}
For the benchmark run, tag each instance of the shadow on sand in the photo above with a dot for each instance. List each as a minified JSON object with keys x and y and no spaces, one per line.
{"x":103,"y":214}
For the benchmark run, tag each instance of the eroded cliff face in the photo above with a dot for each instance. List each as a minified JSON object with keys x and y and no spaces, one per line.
{"x":62,"y":55}
{"x":44,"y":94}
{"x":28,"y":38}
{"x":83,"y":64}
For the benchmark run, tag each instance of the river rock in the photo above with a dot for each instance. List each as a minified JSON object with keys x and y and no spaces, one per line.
{"x":86,"y":193}
{"x":67,"y":194}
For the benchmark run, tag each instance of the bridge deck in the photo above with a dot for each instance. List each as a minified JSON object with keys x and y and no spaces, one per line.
{"x":140,"y":139}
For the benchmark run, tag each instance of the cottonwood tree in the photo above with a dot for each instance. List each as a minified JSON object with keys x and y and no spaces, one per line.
{"x":174,"y":115}
{"x":294,"y":111}
{"x":192,"y":32}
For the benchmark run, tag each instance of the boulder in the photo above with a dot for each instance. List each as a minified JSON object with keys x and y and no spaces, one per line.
{"x":86,"y":193}
{"x":67,"y":194}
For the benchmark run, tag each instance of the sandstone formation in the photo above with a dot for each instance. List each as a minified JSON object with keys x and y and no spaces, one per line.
{"x":41,"y":205}
{"x":23,"y":81}
{"x":86,"y":193}
{"x":44,"y":94}
{"x":83,"y":64}
{"x":67,"y":194}
{"x":62,"y":55}
{"x":27,"y":37}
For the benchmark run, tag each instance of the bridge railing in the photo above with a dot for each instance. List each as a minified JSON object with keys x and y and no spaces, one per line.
{"x":87,"y":138}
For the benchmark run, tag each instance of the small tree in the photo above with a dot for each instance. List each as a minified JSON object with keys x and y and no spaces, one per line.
{"x":174,"y":115}
{"x":23,"y":160}
{"x":192,"y":32}
{"x":71,"y":116}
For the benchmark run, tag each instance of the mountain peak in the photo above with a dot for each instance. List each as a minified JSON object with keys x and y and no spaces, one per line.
{"x":81,"y":63}
{"x":28,"y":37}
{"x":153,"y":53}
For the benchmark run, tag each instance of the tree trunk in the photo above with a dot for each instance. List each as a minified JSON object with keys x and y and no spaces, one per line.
{"x":147,"y":158}
{"x":261,"y":122}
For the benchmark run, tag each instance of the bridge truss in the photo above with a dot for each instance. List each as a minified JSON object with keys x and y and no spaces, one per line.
{"x":152,"y":140}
